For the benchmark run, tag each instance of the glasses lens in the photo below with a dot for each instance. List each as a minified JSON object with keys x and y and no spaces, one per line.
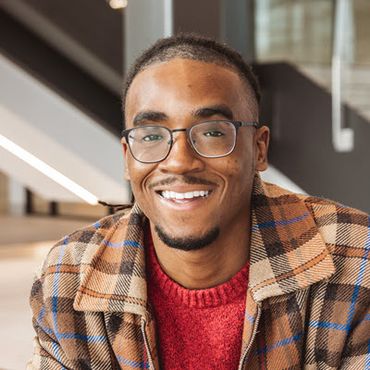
{"x":214,"y":138}
{"x":149,"y":144}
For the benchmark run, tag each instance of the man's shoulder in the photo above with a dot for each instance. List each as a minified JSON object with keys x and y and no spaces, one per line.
{"x":340,"y":226}
{"x":346,"y":233}
{"x":323,"y":210}
{"x":78,"y":248}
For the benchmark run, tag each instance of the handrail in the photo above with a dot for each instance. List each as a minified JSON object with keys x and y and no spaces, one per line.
{"x":342,"y":138}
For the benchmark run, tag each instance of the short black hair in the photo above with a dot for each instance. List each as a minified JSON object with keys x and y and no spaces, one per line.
{"x":191,"y":46}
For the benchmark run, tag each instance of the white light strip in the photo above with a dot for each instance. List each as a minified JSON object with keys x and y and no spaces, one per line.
{"x":47,"y":170}
{"x":342,"y":137}
{"x":168,"y":18}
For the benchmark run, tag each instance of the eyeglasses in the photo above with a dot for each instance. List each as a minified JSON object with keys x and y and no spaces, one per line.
{"x":210,"y":139}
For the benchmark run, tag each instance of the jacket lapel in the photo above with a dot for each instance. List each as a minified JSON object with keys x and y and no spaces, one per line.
{"x":287,"y":252}
{"x":113,"y":276}
{"x":114,"y":282}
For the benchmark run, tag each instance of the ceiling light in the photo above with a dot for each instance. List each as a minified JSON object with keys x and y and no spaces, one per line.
{"x":117,"y":4}
{"x":47,"y":170}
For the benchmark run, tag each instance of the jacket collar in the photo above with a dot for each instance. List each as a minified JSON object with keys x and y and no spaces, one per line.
{"x":287,"y":254}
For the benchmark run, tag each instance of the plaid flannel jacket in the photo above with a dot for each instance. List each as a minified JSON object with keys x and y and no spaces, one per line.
{"x":307,"y":305}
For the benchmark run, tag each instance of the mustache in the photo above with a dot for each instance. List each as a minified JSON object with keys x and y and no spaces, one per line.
{"x":190,"y":180}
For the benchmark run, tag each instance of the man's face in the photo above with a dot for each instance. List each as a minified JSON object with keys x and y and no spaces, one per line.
{"x":178,"y":94}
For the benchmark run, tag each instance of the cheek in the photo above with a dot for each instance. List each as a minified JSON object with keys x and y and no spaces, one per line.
{"x":138,"y":173}
{"x":239,"y":175}
{"x":239,"y":166}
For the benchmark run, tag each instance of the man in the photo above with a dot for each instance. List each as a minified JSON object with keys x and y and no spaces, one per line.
{"x":211,"y":268}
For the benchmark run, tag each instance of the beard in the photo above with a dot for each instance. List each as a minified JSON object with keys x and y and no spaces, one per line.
{"x":188,"y":243}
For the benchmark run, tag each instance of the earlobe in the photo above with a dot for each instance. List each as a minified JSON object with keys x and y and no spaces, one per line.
{"x":126,"y":173}
{"x":262,"y":144}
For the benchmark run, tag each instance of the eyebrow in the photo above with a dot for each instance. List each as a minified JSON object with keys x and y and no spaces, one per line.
{"x":220,"y":109}
{"x":149,"y":115}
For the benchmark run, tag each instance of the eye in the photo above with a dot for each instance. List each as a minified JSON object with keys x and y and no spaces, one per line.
{"x":213,"y":133}
{"x":152,"y":137}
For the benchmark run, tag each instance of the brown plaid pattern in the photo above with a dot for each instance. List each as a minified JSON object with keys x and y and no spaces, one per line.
{"x":307,"y":303}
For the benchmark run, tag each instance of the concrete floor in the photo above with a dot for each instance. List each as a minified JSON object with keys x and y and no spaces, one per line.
{"x":24,"y":242}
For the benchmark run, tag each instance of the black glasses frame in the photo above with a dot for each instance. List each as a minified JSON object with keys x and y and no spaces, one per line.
{"x":236,"y":124}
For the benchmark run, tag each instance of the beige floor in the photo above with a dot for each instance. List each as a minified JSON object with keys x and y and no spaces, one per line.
{"x":24,"y":242}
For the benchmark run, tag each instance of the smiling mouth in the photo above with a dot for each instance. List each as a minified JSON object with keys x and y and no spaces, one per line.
{"x":184,"y":196}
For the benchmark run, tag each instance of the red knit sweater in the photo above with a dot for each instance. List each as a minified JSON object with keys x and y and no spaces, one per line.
{"x":197,"y":329}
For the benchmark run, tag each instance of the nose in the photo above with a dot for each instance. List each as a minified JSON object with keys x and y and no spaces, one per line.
{"x":182,"y":158}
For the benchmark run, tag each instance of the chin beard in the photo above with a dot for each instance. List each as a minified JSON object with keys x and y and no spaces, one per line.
{"x":188,"y":243}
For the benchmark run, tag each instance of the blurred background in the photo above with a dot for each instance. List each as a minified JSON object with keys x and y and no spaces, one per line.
{"x":62,"y":66}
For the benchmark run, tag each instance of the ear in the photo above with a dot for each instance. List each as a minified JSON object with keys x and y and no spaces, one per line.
{"x":262,"y":139}
{"x":125,"y":155}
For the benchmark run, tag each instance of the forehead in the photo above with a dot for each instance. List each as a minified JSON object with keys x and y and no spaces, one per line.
{"x":184,"y":84}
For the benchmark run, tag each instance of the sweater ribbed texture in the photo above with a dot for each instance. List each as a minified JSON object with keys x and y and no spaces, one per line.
{"x":197,"y":328}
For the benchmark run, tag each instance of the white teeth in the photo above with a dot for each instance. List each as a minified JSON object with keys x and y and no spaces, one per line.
{"x":188,"y":195}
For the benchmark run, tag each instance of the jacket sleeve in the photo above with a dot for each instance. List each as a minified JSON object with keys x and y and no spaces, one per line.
{"x":48,"y":353}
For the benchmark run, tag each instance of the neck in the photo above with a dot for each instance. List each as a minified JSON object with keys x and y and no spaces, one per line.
{"x":209,"y":266}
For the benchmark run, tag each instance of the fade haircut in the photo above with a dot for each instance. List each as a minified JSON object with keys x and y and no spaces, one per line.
{"x":195,"y":47}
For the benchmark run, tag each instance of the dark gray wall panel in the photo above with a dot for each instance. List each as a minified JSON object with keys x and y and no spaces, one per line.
{"x":299,"y":114}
